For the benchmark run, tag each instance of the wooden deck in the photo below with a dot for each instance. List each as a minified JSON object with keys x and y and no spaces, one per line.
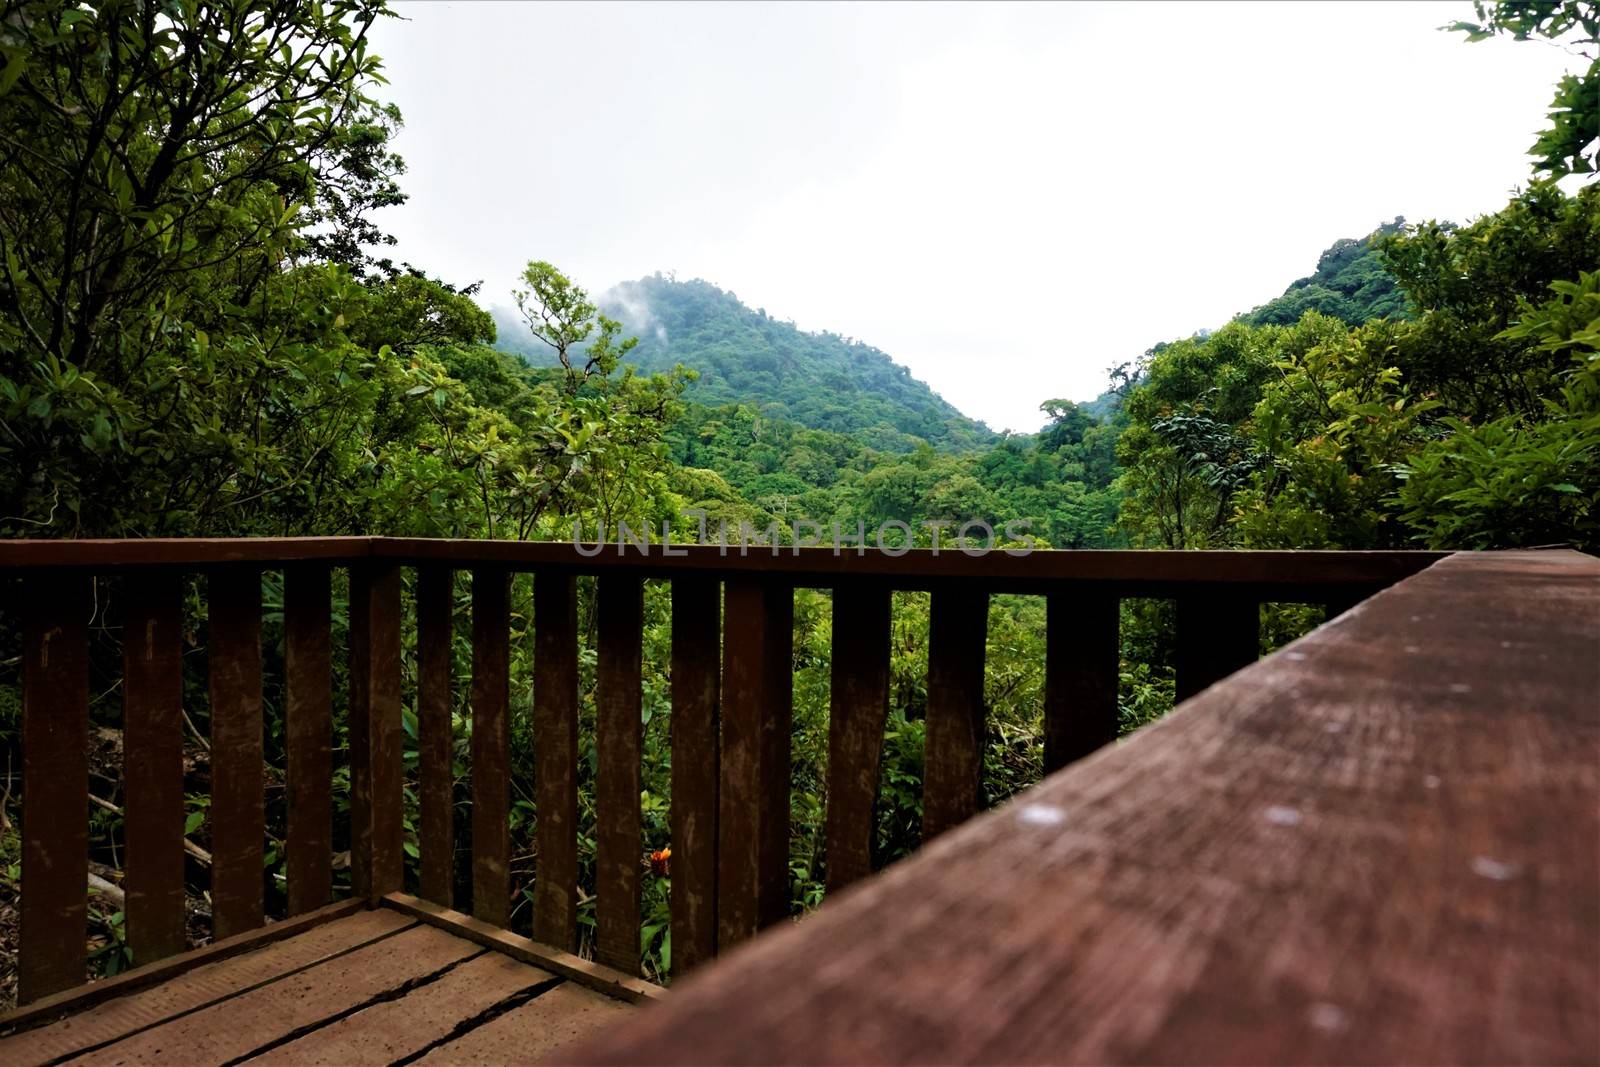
{"x":370,"y":987}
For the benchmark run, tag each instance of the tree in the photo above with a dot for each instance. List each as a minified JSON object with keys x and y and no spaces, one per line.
{"x":1571,"y":142}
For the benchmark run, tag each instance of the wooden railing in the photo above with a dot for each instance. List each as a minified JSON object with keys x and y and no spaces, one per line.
{"x":730,"y":721}
{"x":1380,"y":844}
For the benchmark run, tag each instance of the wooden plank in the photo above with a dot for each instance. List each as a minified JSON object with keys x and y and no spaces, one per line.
{"x":555,"y":739}
{"x":1083,"y":652}
{"x":255,"y":1021}
{"x":952,"y":779}
{"x":555,"y":1020}
{"x":376,"y":829}
{"x":308,"y":734}
{"x":112,"y":1008}
{"x":696,"y":758}
{"x":189,"y":552}
{"x":619,"y":736}
{"x":152,"y":763}
{"x":757,"y":709}
{"x":491,"y":745}
{"x":1218,"y":633}
{"x":856,"y":717}
{"x":1377,"y":845}
{"x":1135,"y":572}
{"x":436,"y":733}
{"x":238,"y":805}
{"x":412,"y":1024}
{"x":596,"y":976}
{"x":55,"y":784}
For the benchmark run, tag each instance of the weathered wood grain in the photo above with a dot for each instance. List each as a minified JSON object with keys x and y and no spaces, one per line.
{"x":238,"y":803}
{"x":308,"y":734}
{"x":1082,"y":661}
{"x":757,"y":709}
{"x":952,"y":776}
{"x":435,"y":735}
{"x":618,"y":738}
{"x":555,"y":733}
{"x":1379,"y":845}
{"x":152,"y":763}
{"x":55,"y":783}
{"x":696,"y":761}
{"x":114,"y":1007}
{"x":376,"y":804}
{"x":856,"y":717}
{"x":491,"y":745}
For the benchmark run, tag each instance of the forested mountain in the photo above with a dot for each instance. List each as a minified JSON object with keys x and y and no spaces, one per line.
{"x":1351,"y":284}
{"x":743,"y":355}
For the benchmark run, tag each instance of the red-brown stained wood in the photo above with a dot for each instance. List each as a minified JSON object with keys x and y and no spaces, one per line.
{"x":491,"y":745}
{"x":245,"y":1024}
{"x":1082,"y":662}
{"x":1375,"y":846}
{"x":527,"y":1034}
{"x":152,"y":763}
{"x":435,"y":735}
{"x":238,"y":805}
{"x":55,"y":783}
{"x":102,"y":1011}
{"x":618,"y":737}
{"x":308,"y":734}
{"x":757,"y":708}
{"x":952,"y":777}
{"x":376,"y":829}
{"x":1219,"y":632}
{"x":555,"y":739}
{"x":696,"y":725}
{"x":856,"y":718}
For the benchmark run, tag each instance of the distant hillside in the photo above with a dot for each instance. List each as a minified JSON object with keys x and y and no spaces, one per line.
{"x":1350,"y":283}
{"x":744,"y":356}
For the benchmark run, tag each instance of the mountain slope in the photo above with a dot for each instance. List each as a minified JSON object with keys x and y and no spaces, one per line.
{"x":743,"y":355}
{"x":1350,"y":283}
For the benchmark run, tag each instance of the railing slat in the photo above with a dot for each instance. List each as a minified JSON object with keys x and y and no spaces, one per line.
{"x":55,"y":784}
{"x":1083,"y":651}
{"x":1218,"y":633}
{"x":952,"y":778}
{"x":757,"y":709}
{"x":618,"y":738}
{"x":152,"y":763}
{"x":238,"y":811}
{"x":435,"y":736}
{"x":555,"y":725}
{"x":696,"y":757}
{"x":376,"y":828}
{"x":856,"y":718}
{"x":308,"y":733}
{"x":491,"y":745}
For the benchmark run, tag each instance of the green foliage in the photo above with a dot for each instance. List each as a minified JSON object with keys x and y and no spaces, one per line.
{"x":1351,"y":283}
{"x":743,"y":356}
{"x":1569,"y":144}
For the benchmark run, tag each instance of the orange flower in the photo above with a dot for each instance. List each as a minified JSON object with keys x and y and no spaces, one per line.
{"x":661,"y":862}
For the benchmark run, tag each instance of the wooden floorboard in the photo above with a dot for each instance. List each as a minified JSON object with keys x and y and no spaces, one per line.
{"x":549,"y":1022}
{"x":255,"y":1021}
{"x":195,"y":989}
{"x":426,"y":1017}
{"x":376,"y":987}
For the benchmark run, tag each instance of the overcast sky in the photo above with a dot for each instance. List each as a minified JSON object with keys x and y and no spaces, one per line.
{"x":1007,"y":199}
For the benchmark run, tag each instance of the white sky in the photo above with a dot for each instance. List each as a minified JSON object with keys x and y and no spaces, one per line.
{"x":1007,"y":199}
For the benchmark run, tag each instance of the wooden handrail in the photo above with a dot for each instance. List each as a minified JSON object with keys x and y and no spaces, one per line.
{"x":730,"y":719}
{"x":1378,"y":845}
